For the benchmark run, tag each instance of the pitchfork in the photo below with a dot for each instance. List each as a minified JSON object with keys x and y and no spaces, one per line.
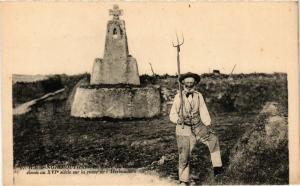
{"x":178,"y":71}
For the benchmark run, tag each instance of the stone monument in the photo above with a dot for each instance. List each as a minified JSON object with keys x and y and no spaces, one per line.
{"x":114,"y":90}
{"x":117,"y":66}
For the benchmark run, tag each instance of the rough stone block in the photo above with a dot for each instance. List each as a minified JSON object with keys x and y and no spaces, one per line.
{"x":133,"y":102}
{"x":111,"y":72}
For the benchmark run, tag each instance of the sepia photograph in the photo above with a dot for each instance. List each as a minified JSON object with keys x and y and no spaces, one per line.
{"x":150,"y":93}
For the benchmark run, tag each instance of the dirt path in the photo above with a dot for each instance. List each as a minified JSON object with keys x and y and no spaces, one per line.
{"x":26,"y":107}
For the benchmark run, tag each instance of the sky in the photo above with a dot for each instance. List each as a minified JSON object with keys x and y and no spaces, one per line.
{"x":64,"y":37}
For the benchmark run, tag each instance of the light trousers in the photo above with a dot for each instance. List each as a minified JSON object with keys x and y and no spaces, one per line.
{"x":186,"y":143}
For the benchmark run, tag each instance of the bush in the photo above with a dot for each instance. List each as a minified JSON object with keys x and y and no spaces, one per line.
{"x":255,"y":159}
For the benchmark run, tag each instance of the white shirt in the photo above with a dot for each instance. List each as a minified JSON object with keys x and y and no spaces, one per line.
{"x":192,"y":105}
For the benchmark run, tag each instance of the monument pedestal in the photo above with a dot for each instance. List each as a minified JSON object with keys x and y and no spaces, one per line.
{"x":133,"y":102}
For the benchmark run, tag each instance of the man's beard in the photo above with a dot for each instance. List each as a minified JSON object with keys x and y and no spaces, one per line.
{"x":189,"y":88}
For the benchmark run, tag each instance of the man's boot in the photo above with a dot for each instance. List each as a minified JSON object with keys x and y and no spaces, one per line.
{"x":184,"y":183}
{"x":218,"y":170}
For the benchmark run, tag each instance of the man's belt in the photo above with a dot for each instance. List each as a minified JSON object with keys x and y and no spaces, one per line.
{"x":193,"y":125}
{"x":193,"y":121}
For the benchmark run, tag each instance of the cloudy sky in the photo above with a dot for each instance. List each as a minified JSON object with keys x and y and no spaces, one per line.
{"x":49,"y":38}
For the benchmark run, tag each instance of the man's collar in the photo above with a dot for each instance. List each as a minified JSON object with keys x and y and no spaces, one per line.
{"x":188,"y":92}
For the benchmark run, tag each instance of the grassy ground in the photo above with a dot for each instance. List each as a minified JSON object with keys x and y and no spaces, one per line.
{"x":48,"y":135}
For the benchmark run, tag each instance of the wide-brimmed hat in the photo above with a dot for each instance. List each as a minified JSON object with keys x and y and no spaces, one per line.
{"x":189,"y":74}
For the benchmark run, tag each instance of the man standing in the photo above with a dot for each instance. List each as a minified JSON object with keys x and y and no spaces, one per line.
{"x":193,"y":126}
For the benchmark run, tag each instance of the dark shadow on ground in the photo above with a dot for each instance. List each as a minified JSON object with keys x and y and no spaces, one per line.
{"x":48,"y":135}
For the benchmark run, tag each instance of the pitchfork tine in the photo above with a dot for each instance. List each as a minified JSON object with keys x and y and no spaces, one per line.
{"x":182,"y":39}
{"x":178,"y":44}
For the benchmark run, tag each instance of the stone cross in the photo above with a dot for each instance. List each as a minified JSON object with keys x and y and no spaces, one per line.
{"x":116,"y":12}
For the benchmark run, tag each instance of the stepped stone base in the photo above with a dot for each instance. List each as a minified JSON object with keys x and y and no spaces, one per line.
{"x":120,"y":103}
{"x":106,"y":71}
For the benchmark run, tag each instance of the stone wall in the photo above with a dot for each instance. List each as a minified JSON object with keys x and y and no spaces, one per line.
{"x":116,"y":102}
{"x":244,"y":93}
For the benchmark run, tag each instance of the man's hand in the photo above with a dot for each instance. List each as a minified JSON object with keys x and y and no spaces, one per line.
{"x":180,"y":121}
{"x":184,"y":120}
